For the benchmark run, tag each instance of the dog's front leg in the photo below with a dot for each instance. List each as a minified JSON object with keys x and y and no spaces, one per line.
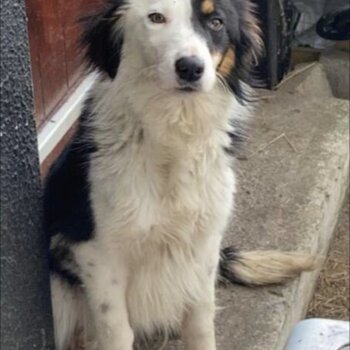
{"x":198,"y":327}
{"x":198,"y":330}
{"x":105,"y":279}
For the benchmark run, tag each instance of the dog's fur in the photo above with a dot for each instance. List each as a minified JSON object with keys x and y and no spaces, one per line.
{"x":137,"y":205}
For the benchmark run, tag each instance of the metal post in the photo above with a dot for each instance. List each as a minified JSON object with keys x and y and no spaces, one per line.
{"x":26,"y":321}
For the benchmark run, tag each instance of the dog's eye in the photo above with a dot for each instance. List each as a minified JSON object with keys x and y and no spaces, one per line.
{"x":216,"y":24}
{"x":157,"y":18}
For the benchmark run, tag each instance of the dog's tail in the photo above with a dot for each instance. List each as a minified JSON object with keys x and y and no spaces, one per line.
{"x":260,"y":268}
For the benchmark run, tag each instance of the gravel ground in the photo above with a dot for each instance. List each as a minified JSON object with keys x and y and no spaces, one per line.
{"x":331,"y":298}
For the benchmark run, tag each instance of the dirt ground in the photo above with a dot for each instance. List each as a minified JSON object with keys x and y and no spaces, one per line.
{"x":331,"y":298}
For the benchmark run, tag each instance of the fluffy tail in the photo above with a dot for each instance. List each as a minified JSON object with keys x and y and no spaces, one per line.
{"x":260,"y":268}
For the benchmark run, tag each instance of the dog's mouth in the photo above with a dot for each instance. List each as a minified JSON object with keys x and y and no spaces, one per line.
{"x":188,"y":87}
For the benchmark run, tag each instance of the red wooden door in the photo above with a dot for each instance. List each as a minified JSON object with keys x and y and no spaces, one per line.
{"x":55,"y":54}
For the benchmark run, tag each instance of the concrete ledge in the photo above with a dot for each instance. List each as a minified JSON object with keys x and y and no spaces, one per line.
{"x":287,"y":200}
{"x":291,"y":187}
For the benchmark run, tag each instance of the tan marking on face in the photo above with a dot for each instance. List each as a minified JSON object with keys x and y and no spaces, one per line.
{"x":227,"y":63}
{"x":217,"y":58}
{"x":208,"y":7}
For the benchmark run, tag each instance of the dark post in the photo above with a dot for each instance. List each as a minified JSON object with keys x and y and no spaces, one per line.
{"x":278,"y":19}
{"x":26,"y":321}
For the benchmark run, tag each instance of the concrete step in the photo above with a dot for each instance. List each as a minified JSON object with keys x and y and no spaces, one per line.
{"x":292,"y":181}
{"x":308,"y":79}
{"x":337,"y":66}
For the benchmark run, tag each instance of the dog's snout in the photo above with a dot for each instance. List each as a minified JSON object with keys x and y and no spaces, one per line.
{"x":189,"y":68}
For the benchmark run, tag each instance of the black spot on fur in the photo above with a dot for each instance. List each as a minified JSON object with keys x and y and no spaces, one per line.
{"x":105,"y":307}
{"x":62,"y":263}
{"x":103,"y":38}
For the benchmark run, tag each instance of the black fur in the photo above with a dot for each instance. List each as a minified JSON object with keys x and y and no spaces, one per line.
{"x":247,"y":46}
{"x":239,"y":33}
{"x":238,"y":138}
{"x":67,"y":207}
{"x":103,"y":43}
{"x":229,"y":256}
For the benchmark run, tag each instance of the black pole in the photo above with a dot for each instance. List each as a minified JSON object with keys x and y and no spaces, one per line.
{"x":26,"y":321}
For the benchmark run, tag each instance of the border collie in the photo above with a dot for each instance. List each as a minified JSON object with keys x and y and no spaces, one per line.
{"x":137,"y":204}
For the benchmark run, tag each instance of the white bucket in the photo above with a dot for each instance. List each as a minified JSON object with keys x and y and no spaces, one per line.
{"x":320,"y":334}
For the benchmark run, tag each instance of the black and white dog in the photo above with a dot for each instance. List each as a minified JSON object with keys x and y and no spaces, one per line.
{"x":137,"y":205}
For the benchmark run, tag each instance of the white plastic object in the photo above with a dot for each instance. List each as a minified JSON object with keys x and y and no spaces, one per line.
{"x":320,"y":334}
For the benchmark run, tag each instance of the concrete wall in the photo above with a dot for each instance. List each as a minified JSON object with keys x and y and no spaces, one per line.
{"x":25,"y":299}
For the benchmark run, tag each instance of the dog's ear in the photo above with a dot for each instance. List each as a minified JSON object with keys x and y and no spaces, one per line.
{"x":103,"y":38}
{"x":251,"y":43}
{"x":246,"y":46}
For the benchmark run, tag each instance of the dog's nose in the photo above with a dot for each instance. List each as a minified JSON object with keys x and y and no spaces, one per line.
{"x":189,"y":68}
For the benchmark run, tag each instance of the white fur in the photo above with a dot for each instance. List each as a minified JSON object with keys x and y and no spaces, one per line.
{"x":162,"y":193}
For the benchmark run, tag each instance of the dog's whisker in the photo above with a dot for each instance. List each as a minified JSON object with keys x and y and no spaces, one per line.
{"x":223,"y":82}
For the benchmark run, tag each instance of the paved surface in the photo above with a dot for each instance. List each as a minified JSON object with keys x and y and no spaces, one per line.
{"x":290,"y":192}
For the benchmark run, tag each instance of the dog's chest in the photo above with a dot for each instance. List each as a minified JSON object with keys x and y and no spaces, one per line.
{"x":194,"y":194}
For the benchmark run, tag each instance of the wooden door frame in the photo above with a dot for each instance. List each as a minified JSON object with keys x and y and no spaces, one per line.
{"x":57,"y":131}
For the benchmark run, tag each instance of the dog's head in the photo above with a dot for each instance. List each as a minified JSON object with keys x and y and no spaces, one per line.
{"x":187,"y":44}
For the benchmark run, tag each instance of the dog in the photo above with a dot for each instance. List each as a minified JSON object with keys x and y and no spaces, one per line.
{"x":137,"y":204}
